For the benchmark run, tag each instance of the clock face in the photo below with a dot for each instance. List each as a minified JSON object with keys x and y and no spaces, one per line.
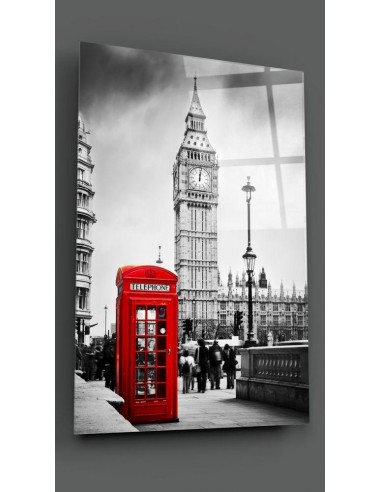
{"x":199,"y":179}
{"x":175,"y":180}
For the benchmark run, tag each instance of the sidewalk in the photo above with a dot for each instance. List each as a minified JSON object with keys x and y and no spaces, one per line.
{"x":93,"y":410}
{"x":216,"y":409}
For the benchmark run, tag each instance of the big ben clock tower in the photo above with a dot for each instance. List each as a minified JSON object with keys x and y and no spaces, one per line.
{"x":195,"y":200}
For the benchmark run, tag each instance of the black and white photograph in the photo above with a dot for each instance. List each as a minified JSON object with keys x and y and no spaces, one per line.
{"x":191,"y":307}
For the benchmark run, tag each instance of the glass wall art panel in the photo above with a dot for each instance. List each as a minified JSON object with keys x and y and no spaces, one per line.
{"x":191,"y":308}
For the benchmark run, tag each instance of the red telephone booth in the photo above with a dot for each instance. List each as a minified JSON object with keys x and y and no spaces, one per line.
{"x":146,"y":343}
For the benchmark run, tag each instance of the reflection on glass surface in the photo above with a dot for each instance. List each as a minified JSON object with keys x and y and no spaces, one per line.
{"x":140,"y":359}
{"x":151,"y":328}
{"x":162,"y":328}
{"x":289,"y":112}
{"x":151,"y":390}
{"x":151,"y":374}
{"x":140,"y":344}
{"x":204,"y":67}
{"x":151,"y":360}
{"x":140,"y":312}
{"x":151,"y":312}
{"x":140,"y":390}
{"x":162,"y":312}
{"x":151,"y":344}
{"x":140,"y":327}
{"x":140,"y":375}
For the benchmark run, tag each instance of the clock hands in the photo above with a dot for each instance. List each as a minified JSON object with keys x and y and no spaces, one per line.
{"x":199,"y":176}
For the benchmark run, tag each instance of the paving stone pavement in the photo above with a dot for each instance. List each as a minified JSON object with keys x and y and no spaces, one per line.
{"x":216,"y":409}
{"x":93,"y":413}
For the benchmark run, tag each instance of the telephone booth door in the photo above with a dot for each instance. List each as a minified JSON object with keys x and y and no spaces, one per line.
{"x":147,"y":346}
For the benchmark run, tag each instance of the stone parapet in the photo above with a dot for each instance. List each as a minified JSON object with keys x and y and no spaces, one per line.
{"x":276,"y":375}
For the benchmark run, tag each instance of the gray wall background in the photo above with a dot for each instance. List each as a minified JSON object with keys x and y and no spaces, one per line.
{"x":273,"y":33}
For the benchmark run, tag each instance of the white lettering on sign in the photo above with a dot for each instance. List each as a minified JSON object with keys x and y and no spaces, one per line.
{"x":150,"y":287}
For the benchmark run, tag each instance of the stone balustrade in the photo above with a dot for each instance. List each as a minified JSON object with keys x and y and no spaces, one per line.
{"x":277,"y":375}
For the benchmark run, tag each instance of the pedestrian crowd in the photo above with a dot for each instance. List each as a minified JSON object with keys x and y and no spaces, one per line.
{"x":97,"y":362}
{"x":207,"y":364}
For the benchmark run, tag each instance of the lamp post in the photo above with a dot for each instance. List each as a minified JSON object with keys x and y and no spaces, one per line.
{"x":218,"y":325}
{"x":105,"y":320}
{"x":194,"y":320}
{"x":159,"y":260}
{"x":249,"y":258}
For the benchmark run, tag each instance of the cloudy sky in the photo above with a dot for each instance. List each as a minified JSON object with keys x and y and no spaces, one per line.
{"x":134,"y":103}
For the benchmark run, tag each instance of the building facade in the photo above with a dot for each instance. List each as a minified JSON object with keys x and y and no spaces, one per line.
{"x":195,"y":201}
{"x":85,"y":220}
{"x":282,"y":312}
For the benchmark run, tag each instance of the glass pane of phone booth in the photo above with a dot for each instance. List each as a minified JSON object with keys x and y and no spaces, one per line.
{"x":151,"y":352}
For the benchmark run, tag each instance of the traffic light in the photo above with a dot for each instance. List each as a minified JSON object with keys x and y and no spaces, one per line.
{"x":187,"y":326}
{"x":238,"y":318}
{"x":78,"y":325}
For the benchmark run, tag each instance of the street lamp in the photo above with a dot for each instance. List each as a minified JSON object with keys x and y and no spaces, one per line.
{"x":105,"y":320}
{"x":194,"y":320}
{"x":249,"y":258}
{"x":159,"y":260}
{"x":218,"y":325}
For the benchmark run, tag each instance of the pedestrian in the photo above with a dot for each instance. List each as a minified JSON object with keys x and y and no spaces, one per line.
{"x":215,"y":361}
{"x":88,"y":363}
{"x":109,"y":363}
{"x":99,"y":362}
{"x":186,"y":363}
{"x":78,"y":357}
{"x":229,"y":365}
{"x":178,"y":363}
{"x":202,"y":361}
